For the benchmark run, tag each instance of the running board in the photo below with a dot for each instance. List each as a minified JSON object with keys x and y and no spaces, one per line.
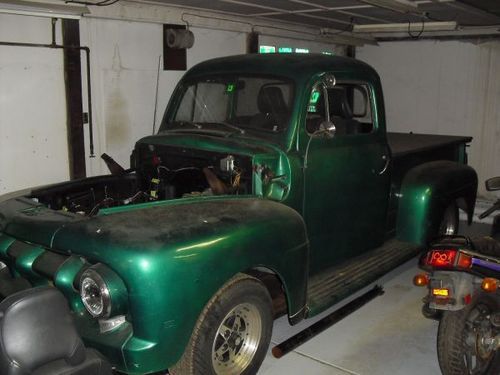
{"x":334,"y":284}
{"x":305,"y":335}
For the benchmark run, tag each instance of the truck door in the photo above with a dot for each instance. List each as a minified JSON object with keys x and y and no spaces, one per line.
{"x":346,"y":174}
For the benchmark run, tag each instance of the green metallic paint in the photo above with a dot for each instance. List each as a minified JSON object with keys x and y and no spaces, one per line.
{"x":26,"y":219}
{"x":5,"y":242}
{"x":172,"y":256}
{"x":200,"y":249}
{"x":64,"y":279}
{"x":290,"y":66}
{"x":426,"y":191}
{"x":24,"y":263}
{"x":364,"y":192}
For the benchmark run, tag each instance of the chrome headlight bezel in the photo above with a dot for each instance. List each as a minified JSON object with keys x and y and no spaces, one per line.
{"x":91,"y":281}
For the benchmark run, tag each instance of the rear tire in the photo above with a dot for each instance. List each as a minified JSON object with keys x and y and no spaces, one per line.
{"x":460,"y":347}
{"x":233,"y":332}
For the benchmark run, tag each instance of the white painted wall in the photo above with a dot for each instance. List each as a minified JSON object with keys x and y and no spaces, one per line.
{"x":447,"y":87}
{"x":33,"y":137}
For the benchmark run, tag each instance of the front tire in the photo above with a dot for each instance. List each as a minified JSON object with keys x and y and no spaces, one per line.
{"x":232,"y":333}
{"x":462,"y":339}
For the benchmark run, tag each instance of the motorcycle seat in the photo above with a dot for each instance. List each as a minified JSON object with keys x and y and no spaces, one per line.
{"x":38,"y":337}
{"x":487,"y":246}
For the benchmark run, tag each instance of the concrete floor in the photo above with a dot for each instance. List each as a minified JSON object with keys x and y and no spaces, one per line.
{"x":388,"y":336}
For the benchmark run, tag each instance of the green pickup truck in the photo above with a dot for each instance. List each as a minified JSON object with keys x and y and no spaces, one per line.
{"x":271,"y":188}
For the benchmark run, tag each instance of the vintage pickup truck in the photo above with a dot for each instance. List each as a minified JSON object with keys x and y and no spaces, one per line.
{"x":271,"y":178}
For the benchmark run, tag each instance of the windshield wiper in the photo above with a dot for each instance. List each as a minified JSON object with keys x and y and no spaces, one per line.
{"x":195,"y":124}
{"x":231,"y":126}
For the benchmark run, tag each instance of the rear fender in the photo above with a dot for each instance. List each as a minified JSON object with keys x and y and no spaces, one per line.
{"x":426,"y":191}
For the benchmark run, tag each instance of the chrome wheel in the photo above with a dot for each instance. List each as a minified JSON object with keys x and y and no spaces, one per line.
{"x":449,"y":224}
{"x":237,"y":340}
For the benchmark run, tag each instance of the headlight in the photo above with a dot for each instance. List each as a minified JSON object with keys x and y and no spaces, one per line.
{"x":95,"y":294}
{"x":103,"y":292}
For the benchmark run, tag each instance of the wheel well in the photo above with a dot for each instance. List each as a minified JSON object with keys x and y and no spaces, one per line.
{"x":275,"y":288}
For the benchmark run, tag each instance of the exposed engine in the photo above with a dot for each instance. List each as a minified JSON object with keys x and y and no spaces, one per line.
{"x":157,"y":173}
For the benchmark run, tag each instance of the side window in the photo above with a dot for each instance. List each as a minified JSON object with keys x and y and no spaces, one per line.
{"x":358,"y":101}
{"x":348,"y":106}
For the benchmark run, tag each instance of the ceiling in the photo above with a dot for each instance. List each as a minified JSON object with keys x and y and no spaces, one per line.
{"x":342,"y":15}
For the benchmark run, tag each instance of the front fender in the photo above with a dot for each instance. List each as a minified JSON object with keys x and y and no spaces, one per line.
{"x":425,"y":193}
{"x":174,"y":257}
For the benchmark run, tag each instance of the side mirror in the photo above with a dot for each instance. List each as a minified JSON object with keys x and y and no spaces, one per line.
{"x":326,"y":129}
{"x":493,"y":184}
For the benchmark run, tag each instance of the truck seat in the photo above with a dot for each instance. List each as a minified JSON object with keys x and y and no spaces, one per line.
{"x":38,"y":337}
{"x":341,"y":112}
{"x":272,"y":107}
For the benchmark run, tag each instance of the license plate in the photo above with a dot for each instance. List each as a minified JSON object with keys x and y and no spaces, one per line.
{"x":441,"y":292}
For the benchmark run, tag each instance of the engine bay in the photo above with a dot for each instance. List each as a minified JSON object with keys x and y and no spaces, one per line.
{"x":157,"y":173}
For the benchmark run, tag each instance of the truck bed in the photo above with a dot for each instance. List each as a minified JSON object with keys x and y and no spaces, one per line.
{"x":403,"y":144}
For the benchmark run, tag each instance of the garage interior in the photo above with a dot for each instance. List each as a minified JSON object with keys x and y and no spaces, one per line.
{"x":82,"y":78}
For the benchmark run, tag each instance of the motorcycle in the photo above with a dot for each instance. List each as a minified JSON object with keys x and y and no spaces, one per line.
{"x":462,"y":275}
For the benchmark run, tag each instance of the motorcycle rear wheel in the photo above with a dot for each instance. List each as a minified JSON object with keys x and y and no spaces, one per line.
{"x":461,"y":344}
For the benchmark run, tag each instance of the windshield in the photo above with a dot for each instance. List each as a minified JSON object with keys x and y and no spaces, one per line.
{"x":257,"y":105}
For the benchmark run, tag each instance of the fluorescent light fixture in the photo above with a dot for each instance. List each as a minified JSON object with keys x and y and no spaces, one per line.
{"x":301,"y":50}
{"x":285,"y":50}
{"x":403,"y":27}
{"x":402,"y":6}
{"x":46,"y":9}
{"x":267,"y":49}
{"x":327,"y":53}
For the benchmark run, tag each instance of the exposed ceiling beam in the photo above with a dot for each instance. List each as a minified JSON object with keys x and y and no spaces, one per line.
{"x":401,"y":6}
{"x":305,"y":12}
{"x":254,"y":5}
{"x":317,"y":8}
{"x":362,"y":16}
{"x":157,"y":12}
{"x":471,"y":9}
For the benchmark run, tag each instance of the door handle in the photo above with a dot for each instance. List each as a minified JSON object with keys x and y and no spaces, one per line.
{"x":386,"y":165}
